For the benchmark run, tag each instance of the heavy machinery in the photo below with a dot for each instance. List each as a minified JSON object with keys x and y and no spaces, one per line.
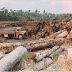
{"x":15,"y":33}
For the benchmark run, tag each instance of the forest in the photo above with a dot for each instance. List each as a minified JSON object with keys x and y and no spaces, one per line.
{"x":20,"y":15}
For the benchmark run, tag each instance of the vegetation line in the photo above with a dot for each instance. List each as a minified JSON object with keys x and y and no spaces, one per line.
{"x":20,"y":15}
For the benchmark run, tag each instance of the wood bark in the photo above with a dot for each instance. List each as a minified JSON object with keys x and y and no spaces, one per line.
{"x":53,"y":66}
{"x":49,"y":52}
{"x":2,"y":55}
{"x":2,"y":40}
{"x":60,"y":50}
{"x":33,"y":54}
{"x":53,"y":36}
{"x":45,"y":44}
{"x":8,"y":47}
{"x":33,"y":36}
{"x":12,"y":58}
{"x":43,"y":64}
{"x":62,"y":35}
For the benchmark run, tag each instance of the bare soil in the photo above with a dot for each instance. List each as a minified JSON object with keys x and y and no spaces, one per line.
{"x":27,"y":40}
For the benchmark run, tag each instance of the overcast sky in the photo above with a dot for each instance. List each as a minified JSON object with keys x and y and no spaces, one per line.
{"x":51,"y":6}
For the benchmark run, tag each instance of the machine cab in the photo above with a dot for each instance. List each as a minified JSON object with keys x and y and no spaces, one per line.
{"x":20,"y":33}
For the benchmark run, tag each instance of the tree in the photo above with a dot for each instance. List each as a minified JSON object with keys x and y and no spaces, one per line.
{"x":44,"y":12}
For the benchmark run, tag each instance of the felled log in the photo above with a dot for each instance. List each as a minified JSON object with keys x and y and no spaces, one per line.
{"x":43,"y":64}
{"x":57,"y":33}
{"x":46,"y":44}
{"x":33,"y":36}
{"x":33,"y":55}
{"x":43,"y":34}
{"x":54,"y":54}
{"x":8,"y":47}
{"x":49,"y":52}
{"x":2,"y":40}
{"x":66,"y":40}
{"x":41,"y":52}
{"x":46,"y":34}
{"x":11,"y":59}
{"x":38,"y":36}
{"x":12,"y":44}
{"x":53,"y":66}
{"x":53,"y":36}
{"x":0,"y":45}
{"x":57,"y":25}
{"x":70,"y":34}
{"x":1,"y":55}
{"x":62,"y":35}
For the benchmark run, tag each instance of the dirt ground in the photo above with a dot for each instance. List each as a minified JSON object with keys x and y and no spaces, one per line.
{"x":27,"y":40}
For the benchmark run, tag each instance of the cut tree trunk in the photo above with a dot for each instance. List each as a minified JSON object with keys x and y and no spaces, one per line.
{"x":43,"y":64}
{"x":2,"y":55}
{"x":48,"y":53}
{"x":32,"y":55}
{"x":53,"y":36}
{"x":45,"y":44}
{"x":2,"y":40}
{"x":62,"y":35}
{"x":53,"y":66}
{"x":8,"y":47}
{"x":11,"y":59}
{"x":33,"y":36}
{"x":56,"y":53}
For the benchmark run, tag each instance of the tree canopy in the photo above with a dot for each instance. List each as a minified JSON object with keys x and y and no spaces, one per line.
{"x":20,"y":15}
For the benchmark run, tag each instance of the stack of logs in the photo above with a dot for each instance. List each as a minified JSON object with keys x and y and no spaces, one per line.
{"x":46,"y":28}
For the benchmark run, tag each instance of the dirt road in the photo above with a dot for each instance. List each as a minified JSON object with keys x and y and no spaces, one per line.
{"x":28,"y":40}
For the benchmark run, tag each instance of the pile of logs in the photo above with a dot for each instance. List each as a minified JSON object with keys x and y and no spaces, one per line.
{"x":41,"y":59}
{"x":47,"y":28}
{"x":40,"y":29}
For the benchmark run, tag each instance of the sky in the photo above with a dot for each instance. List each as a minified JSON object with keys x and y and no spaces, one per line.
{"x":51,"y":6}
